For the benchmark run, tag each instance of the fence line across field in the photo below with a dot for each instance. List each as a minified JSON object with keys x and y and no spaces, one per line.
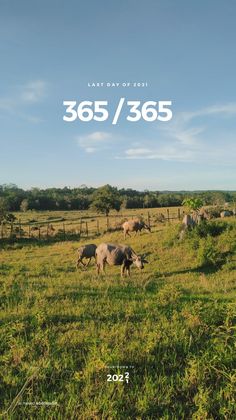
{"x":83,"y":226}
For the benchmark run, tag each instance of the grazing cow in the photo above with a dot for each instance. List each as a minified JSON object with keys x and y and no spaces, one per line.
{"x":191,"y":220}
{"x":135,"y":225}
{"x":118,"y":255}
{"x":226,"y":213}
{"x":204,"y":214}
{"x":87,"y":252}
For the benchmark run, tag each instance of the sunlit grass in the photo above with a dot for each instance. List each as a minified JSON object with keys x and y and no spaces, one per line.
{"x":173,"y":324}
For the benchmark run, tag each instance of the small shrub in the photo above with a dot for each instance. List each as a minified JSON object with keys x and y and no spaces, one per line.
{"x":210,"y":228}
{"x":207,"y":254}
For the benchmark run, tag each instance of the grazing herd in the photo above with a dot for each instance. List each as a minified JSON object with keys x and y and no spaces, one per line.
{"x":125,"y":256}
{"x":112,"y":254}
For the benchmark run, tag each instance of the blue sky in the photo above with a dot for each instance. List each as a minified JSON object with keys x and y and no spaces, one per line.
{"x":185,"y":51}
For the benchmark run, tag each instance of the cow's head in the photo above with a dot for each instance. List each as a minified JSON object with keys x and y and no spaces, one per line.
{"x":139,"y":261}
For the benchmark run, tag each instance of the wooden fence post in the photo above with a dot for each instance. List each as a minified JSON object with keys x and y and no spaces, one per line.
{"x":2,"y":229}
{"x":47,"y":230}
{"x":179,"y":217}
{"x":168,"y":215}
{"x":39,"y":233}
{"x":149,"y":224}
{"x":19,"y":228}
{"x":80,"y":230}
{"x":64,"y":232}
{"x":107,"y":222}
{"x":97,"y":226}
{"x":86,"y":225}
{"x":29,"y":231}
{"x":11,"y":231}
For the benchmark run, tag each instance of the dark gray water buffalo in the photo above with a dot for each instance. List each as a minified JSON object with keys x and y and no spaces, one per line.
{"x":118,"y":255}
{"x":134,"y":225}
{"x":87,"y":252}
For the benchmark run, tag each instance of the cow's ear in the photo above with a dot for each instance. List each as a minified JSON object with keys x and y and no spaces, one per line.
{"x":145,"y":261}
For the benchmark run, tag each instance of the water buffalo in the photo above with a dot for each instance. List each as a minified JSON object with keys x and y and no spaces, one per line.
{"x":135,"y":225}
{"x":118,"y":255}
{"x":191,"y":220}
{"x":226,"y":213}
{"x":87,"y":252}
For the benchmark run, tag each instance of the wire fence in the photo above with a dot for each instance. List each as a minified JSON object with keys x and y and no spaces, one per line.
{"x":87,"y":226}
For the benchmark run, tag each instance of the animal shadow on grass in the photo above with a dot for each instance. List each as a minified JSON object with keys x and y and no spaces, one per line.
{"x":189,"y":297}
{"x":204,"y":269}
{"x":199,"y":270}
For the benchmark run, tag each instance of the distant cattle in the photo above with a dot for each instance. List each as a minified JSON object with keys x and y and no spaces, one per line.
{"x":226,"y":213}
{"x":86,"y":252}
{"x":191,"y":220}
{"x":205,"y":215}
{"x":134,"y":225}
{"x":118,"y":255}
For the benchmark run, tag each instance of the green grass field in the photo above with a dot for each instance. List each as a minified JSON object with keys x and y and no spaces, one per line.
{"x":171,"y":326}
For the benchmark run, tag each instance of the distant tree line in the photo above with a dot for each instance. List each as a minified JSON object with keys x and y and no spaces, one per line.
{"x":103,"y":199}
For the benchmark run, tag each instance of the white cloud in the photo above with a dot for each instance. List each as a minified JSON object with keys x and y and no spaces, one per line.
{"x":138,"y":152}
{"x":33,"y":92}
{"x":189,"y":139}
{"x":95,"y":141}
{"x":163,"y":153}
{"x":90,"y":149}
{"x":98,"y":136}
{"x":22,"y":96}
{"x":228,"y":109}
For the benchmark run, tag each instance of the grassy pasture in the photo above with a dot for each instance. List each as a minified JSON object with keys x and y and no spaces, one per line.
{"x":69,"y":222}
{"x":171,"y":326}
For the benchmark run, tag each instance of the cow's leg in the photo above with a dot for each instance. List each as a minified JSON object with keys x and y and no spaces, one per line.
{"x":88,"y":262}
{"x":103,"y":266}
{"x":98,"y":268}
{"x":122,"y":270}
{"x":126,"y":233}
{"x":79,"y":261}
{"x":82,"y":262}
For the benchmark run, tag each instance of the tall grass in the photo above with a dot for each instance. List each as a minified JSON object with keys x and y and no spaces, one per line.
{"x":171,"y":326}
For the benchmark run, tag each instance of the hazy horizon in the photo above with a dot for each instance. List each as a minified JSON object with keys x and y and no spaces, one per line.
{"x":81,"y":186}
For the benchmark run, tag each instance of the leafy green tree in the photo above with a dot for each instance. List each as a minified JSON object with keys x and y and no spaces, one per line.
{"x":193,"y":204}
{"x":3,"y":209}
{"x":5,"y":216}
{"x":106,"y":198}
